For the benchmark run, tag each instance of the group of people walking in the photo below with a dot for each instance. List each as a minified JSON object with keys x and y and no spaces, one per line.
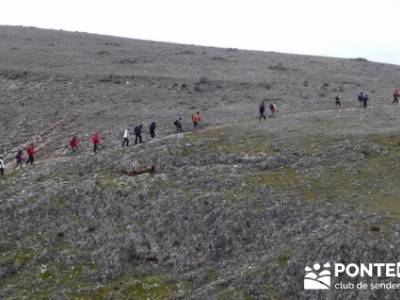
{"x":20,"y":159}
{"x":272,"y":108}
{"x":196,"y":119}
{"x":138,"y":134}
{"x":95,"y":141}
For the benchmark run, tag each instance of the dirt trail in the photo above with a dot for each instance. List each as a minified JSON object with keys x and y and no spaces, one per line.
{"x":45,"y":137}
{"x":41,"y":140}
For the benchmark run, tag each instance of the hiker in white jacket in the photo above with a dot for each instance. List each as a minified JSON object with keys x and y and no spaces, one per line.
{"x":2,"y":166}
{"x":126,"y":138}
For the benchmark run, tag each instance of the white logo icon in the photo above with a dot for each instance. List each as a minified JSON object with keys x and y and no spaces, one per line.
{"x":317,"y":279}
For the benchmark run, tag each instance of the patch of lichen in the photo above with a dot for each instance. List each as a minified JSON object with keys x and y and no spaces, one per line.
{"x":387,"y":142}
{"x":155,"y":287}
{"x":229,"y":140}
{"x":283,"y":177}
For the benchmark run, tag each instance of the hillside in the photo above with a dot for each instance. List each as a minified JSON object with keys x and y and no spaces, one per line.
{"x":235,"y":210}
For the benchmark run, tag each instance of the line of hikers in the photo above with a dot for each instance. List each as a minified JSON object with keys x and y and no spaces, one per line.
{"x":95,"y":140}
{"x":363,"y":98}
{"x":196,"y":119}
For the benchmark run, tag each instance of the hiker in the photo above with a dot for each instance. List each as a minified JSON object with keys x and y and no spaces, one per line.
{"x":396,"y":96}
{"x":361,"y":97}
{"x":2,"y":166}
{"x":338,"y":101}
{"x":73,"y":144}
{"x":138,"y":134}
{"x":31,"y":152}
{"x":126,"y":139}
{"x":272,"y":108}
{"x":178,"y":124}
{"x":196,"y":120}
{"x":262,"y":110}
{"x":95,"y":142}
{"x":19,"y":158}
{"x":152,"y":128}
{"x":365,"y":100}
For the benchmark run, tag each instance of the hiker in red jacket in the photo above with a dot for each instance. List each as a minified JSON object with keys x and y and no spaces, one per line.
{"x":96,"y":142}
{"x":73,"y":143}
{"x":31,"y":152}
{"x":196,"y":120}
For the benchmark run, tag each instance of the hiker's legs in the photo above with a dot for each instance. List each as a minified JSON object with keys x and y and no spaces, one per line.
{"x":136,"y":139}
{"x":140,"y":138}
{"x":94,"y":148}
{"x":2,"y":172}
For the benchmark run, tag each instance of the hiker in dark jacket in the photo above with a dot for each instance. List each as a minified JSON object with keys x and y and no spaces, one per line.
{"x":19,"y":158}
{"x":361,"y":97}
{"x":178,"y":124}
{"x":396,"y":96}
{"x":365,"y":100}
{"x":138,"y":133}
{"x":153,"y":129}
{"x":262,"y":110}
{"x":338,"y":101}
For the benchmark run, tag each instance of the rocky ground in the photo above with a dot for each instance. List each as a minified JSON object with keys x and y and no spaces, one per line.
{"x":235,"y":210}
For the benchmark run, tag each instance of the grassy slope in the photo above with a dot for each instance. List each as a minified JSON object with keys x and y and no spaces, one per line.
{"x":232,"y":210}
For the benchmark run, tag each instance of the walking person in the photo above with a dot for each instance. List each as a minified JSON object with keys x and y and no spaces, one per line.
{"x":126,"y":138}
{"x":365,"y":100}
{"x":361,"y":98}
{"x":196,"y":120}
{"x":262,"y":111}
{"x":338,"y":101}
{"x":2,"y":166}
{"x":396,"y":96}
{"x":95,"y":142}
{"x":178,"y":124}
{"x":31,"y":153}
{"x":272,"y":108}
{"x":73,"y":144}
{"x":19,"y":159}
{"x":152,"y":129}
{"x":138,"y":134}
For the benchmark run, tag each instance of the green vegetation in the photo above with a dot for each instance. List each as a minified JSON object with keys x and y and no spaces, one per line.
{"x":283,"y":177}
{"x":148,"y":287}
{"x":228,"y":140}
{"x":212,"y":274}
